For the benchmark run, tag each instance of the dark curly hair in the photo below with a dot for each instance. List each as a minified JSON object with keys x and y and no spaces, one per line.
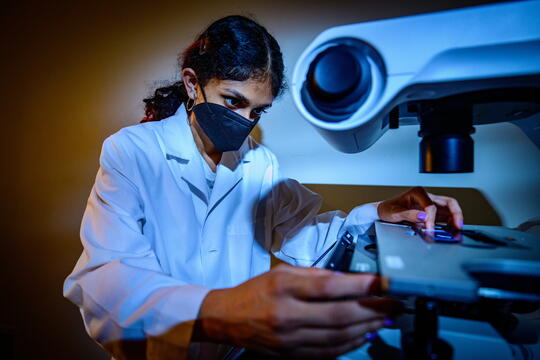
{"x":231,"y":48}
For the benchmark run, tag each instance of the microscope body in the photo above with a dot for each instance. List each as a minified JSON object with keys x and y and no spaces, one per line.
{"x":354,"y":82}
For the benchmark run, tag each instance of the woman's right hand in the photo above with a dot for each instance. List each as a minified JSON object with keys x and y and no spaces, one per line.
{"x":295,"y":311}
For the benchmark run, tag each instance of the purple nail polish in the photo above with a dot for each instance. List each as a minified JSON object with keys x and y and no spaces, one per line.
{"x":371,"y":336}
{"x":422,"y":216}
{"x":461,"y":224}
{"x":389,"y":323}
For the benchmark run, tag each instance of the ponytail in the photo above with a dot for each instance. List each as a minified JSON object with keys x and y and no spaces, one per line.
{"x":165,"y":101}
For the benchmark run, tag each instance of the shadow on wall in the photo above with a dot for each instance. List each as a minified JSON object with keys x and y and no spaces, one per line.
{"x":476,"y":209}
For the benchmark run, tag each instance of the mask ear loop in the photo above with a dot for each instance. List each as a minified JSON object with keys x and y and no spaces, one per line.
{"x":188,"y":106}
{"x":206,"y":102}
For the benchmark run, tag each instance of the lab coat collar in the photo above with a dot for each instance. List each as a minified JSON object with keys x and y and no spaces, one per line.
{"x":179,"y":146}
{"x":176,"y":133}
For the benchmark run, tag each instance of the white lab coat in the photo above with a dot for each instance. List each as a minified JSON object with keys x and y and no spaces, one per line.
{"x":154,"y":244}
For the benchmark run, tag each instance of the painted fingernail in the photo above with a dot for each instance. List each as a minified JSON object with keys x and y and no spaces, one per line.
{"x":461,"y":224}
{"x":376,"y":286}
{"x":389,"y":323}
{"x":422,"y":216}
{"x":371,"y":336}
{"x":338,"y":273}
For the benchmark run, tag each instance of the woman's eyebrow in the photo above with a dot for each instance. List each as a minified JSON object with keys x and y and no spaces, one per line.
{"x":242,"y":98}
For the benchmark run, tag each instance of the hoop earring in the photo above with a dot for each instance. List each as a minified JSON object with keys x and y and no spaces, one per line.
{"x":188,"y":106}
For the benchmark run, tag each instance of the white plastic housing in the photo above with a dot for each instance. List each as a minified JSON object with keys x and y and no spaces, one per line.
{"x":429,"y":56}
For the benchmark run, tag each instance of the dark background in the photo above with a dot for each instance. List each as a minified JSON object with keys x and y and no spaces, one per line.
{"x":72,"y":73}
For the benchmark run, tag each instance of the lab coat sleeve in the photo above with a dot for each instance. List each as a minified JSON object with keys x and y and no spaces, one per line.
{"x":299,"y":234}
{"x":118,"y":283}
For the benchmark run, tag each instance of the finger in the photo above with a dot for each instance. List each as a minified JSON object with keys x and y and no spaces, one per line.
{"x":332,"y":286}
{"x":323,"y":337}
{"x":419,"y":196}
{"x":331,"y":313}
{"x":300,"y":270}
{"x":431,"y":215}
{"x":414,"y":216}
{"x":453,"y":207}
{"x":388,"y":306}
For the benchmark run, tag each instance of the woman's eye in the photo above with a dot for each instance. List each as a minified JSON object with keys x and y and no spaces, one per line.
{"x":259,"y":112}
{"x":232,"y":102}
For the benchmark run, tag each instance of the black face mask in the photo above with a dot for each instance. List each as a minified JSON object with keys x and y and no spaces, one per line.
{"x":226,"y":129}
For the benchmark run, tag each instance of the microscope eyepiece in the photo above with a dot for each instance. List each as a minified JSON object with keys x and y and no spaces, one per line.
{"x":334,"y":74}
{"x":338,"y":81}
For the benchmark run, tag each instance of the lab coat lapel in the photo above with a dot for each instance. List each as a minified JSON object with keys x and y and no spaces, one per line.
{"x":193,"y":176}
{"x":229,"y":176}
{"x":183,"y":160}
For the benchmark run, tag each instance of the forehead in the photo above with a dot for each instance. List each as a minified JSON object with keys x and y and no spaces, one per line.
{"x":255,"y":91}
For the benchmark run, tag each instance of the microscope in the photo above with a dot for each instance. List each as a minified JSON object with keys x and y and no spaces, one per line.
{"x":446,"y":72}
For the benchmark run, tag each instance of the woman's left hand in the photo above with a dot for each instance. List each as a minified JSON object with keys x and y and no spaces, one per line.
{"x":419,"y":206}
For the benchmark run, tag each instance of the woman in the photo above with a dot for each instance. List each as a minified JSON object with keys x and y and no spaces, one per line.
{"x":186,"y":209}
